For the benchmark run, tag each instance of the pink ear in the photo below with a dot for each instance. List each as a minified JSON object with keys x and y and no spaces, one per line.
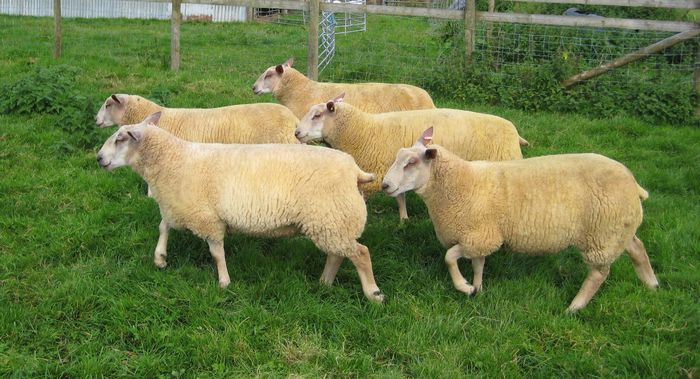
{"x":339,"y":98}
{"x":289,"y":62}
{"x":427,"y":137}
{"x":152,"y":119}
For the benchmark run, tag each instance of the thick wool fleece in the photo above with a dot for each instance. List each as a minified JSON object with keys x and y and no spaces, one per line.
{"x":269,"y":190}
{"x":374,"y":139}
{"x":245,"y":123}
{"x":534,"y":206}
{"x":299,"y":93}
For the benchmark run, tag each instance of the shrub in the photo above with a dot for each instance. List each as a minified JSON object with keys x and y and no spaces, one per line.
{"x":52,"y":91}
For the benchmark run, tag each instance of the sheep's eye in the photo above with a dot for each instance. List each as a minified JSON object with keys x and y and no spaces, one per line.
{"x":108,"y":105}
{"x":269,"y":74}
{"x":410,"y":162}
{"x":315,"y":116}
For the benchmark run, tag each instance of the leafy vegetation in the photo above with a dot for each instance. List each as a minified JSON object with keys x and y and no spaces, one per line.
{"x":81,"y":297}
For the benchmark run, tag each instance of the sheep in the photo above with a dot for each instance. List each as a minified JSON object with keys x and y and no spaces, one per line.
{"x":373,"y":139}
{"x":299,"y":93}
{"x":535,"y":205}
{"x":265,"y":190}
{"x":245,"y":123}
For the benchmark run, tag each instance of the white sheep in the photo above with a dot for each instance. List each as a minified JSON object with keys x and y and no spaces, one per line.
{"x":299,"y":93}
{"x":245,"y":123}
{"x":265,"y":190}
{"x":373,"y":139}
{"x":534,"y":206}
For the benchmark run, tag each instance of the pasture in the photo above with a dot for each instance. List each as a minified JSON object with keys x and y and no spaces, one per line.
{"x":80,"y":296}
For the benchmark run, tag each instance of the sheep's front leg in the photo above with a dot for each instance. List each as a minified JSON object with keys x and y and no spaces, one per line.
{"x":403,"y":212}
{"x":333,"y":263}
{"x":596,"y":277}
{"x":162,"y":247}
{"x":216,"y":248}
{"x":460,"y":283}
{"x":478,"y":267}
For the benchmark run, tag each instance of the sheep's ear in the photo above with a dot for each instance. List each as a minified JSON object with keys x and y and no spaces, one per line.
{"x":331,"y":106}
{"x":116,"y":99}
{"x":426,"y":137}
{"x":430,"y":154}
{"x":289,"y":62}
{"x":152,"y":119}
{"x":135,"y":135}
{"x":339,"y":98}
{"x":279,"y":69}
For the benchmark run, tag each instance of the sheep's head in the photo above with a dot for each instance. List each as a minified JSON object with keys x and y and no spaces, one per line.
{"x":121,"y":147}
{"x":411,"y":169}
{"x":112,"y":111}
{"x":319,"y":117}
{"x":270,"y":79}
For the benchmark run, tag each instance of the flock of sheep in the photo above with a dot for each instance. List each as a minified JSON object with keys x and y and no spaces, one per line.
{"x":246,"y":169}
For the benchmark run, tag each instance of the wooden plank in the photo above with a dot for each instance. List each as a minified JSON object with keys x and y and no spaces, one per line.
{"x":684,"y":4}
{"x":621,"y":23}
{"x":314,"y":21}
{"x":469,"y":29}
{"x":696,"y":82}
{"x":629,"y":58}
{"x":175,"y":21}
{"x":489,"y":26}
{"x":57,"y":29}
{"x":281,"y":4}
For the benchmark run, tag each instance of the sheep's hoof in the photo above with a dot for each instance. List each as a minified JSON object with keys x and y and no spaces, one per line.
{"x":160,"y":263}
{"x":378,"y":297}
{"x":224,"y":283}
{"x":466,"y":288}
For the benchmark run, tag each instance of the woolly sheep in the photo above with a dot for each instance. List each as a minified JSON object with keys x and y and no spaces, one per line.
{"x":299,"y":93}
{"x":265,"y":190}
{"x":245,"y":123}
{"x":373,"y":139}
{"x":536,"y":205}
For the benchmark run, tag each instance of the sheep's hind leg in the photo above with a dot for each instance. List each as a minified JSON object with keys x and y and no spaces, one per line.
{"x":363,"y":264}
{"x":596,"y":277}
{"x":401,"y":201}
{"x":162,"y":247}
{"x":461,"y":284}
{"x":640,"y":260}
{"x":216,"y":248}
{"x":333,"y":263}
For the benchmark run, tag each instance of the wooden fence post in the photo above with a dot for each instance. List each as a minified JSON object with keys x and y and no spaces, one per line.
{"x":696,"y":82}
{"x":489,"y":27}
{"x":57,"y":28}
{"x":175,"y":20}
{"x":469,"y":29}
{"x":312,"y":71}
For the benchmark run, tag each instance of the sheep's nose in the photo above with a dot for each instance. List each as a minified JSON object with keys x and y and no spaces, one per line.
{"x":296,"y":133}
{"x":385,"y":185}
{"x":99,"y":157}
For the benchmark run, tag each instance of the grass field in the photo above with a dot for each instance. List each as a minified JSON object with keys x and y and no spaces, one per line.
{"x":80,"y":296}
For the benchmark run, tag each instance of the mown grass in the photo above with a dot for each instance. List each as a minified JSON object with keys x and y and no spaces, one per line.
{"x":80,"y":296}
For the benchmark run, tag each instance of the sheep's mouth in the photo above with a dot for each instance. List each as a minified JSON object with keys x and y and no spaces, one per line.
{"x":392,"y":192}
{"x":257,"y":91}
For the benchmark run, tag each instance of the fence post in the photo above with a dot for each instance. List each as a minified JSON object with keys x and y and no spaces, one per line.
{"x":469,"y":29}
{"x":312,"y":71}
{"x":489,"y":27}
{"x":249,"y":13}
{"x":175,"y":19}
{"x":57,"y":28}
{"x":696,"y":81}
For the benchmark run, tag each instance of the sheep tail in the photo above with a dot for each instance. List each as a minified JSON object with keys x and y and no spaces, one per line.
{"x":364,"y":177}
{"x":643,"y":194}
{"x":523,"y":141}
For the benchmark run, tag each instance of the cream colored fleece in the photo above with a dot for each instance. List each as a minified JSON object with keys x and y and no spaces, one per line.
{"x":374,"y":139}
{"x":537,"y":205}
{"x":245,"y":123}
{"x":268,"y":190}
{"x":299,"y":93}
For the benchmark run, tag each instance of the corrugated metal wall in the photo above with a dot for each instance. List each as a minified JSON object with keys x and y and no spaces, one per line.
{"x":120,"y":9}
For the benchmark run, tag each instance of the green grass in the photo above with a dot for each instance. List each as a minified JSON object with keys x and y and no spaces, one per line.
{"x":80,"y":296}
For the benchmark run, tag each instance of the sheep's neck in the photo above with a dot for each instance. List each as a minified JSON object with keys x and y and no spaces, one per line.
{"x":352,"y":130}
{"x":292,"y":85}
{"x":159,"y":153}
{"x":137,"y":109}
{"x":448,"y":176}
